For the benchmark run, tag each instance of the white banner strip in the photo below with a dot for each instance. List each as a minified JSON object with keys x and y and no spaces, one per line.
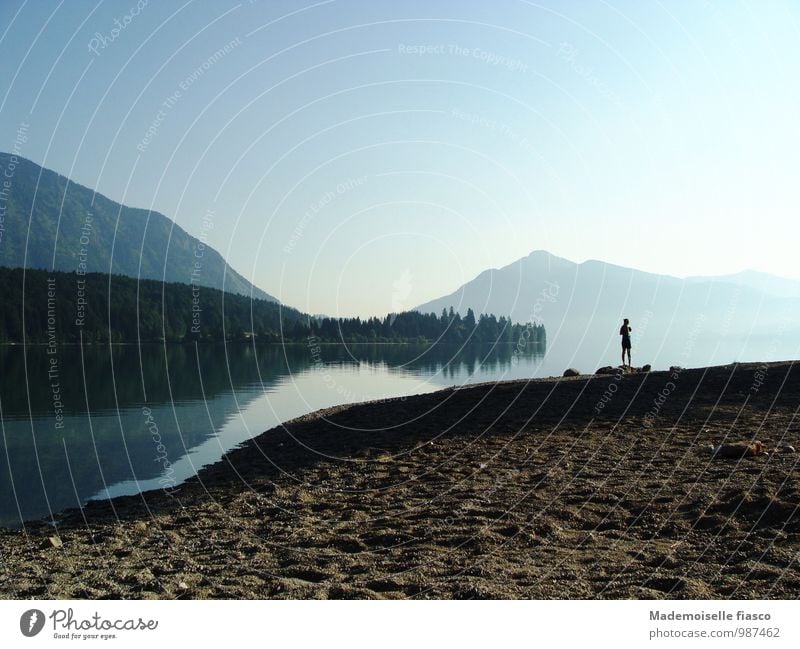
{"x":389,"y":624}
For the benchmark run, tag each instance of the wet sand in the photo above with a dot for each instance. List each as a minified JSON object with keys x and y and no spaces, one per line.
{"x":523,"y":489}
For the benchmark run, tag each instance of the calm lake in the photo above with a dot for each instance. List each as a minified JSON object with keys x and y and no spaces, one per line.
{"x":96,"y":422}
{"x":92,"y":423}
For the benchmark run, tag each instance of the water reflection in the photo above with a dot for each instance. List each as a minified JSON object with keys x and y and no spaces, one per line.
{"x":79,"y":424}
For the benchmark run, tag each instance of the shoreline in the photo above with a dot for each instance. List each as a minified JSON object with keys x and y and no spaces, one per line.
{"x":250,"y":341}
{"x":515,"y":489}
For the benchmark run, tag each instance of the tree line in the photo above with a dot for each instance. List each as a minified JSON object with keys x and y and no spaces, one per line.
{"x":51,"y":306}
{"x":411,"y":326}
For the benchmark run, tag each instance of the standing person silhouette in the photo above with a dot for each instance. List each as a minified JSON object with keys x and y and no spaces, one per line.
{"x":625,"y":332}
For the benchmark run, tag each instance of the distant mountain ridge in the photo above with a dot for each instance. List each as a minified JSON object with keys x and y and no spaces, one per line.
{"x":675,"y":320}
{"x":770,"y":284}
{"x":50,"y":222}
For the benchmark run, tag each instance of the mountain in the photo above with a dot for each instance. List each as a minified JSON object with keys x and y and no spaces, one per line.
{"x":770,"y":284}
{"x":50,"y":222}
{"x":675,"y":321}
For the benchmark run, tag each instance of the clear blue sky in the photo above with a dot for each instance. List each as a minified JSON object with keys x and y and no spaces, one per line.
{"x":349,"y":173}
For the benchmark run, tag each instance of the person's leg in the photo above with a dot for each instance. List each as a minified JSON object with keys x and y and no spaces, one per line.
{"x":623,"y":357}
{"x":629,"y":358}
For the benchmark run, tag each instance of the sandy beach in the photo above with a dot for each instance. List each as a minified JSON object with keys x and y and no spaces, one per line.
{"x":595,"y":486}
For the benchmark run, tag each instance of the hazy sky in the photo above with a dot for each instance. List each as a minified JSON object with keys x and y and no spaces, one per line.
{"x":364,"y":156}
